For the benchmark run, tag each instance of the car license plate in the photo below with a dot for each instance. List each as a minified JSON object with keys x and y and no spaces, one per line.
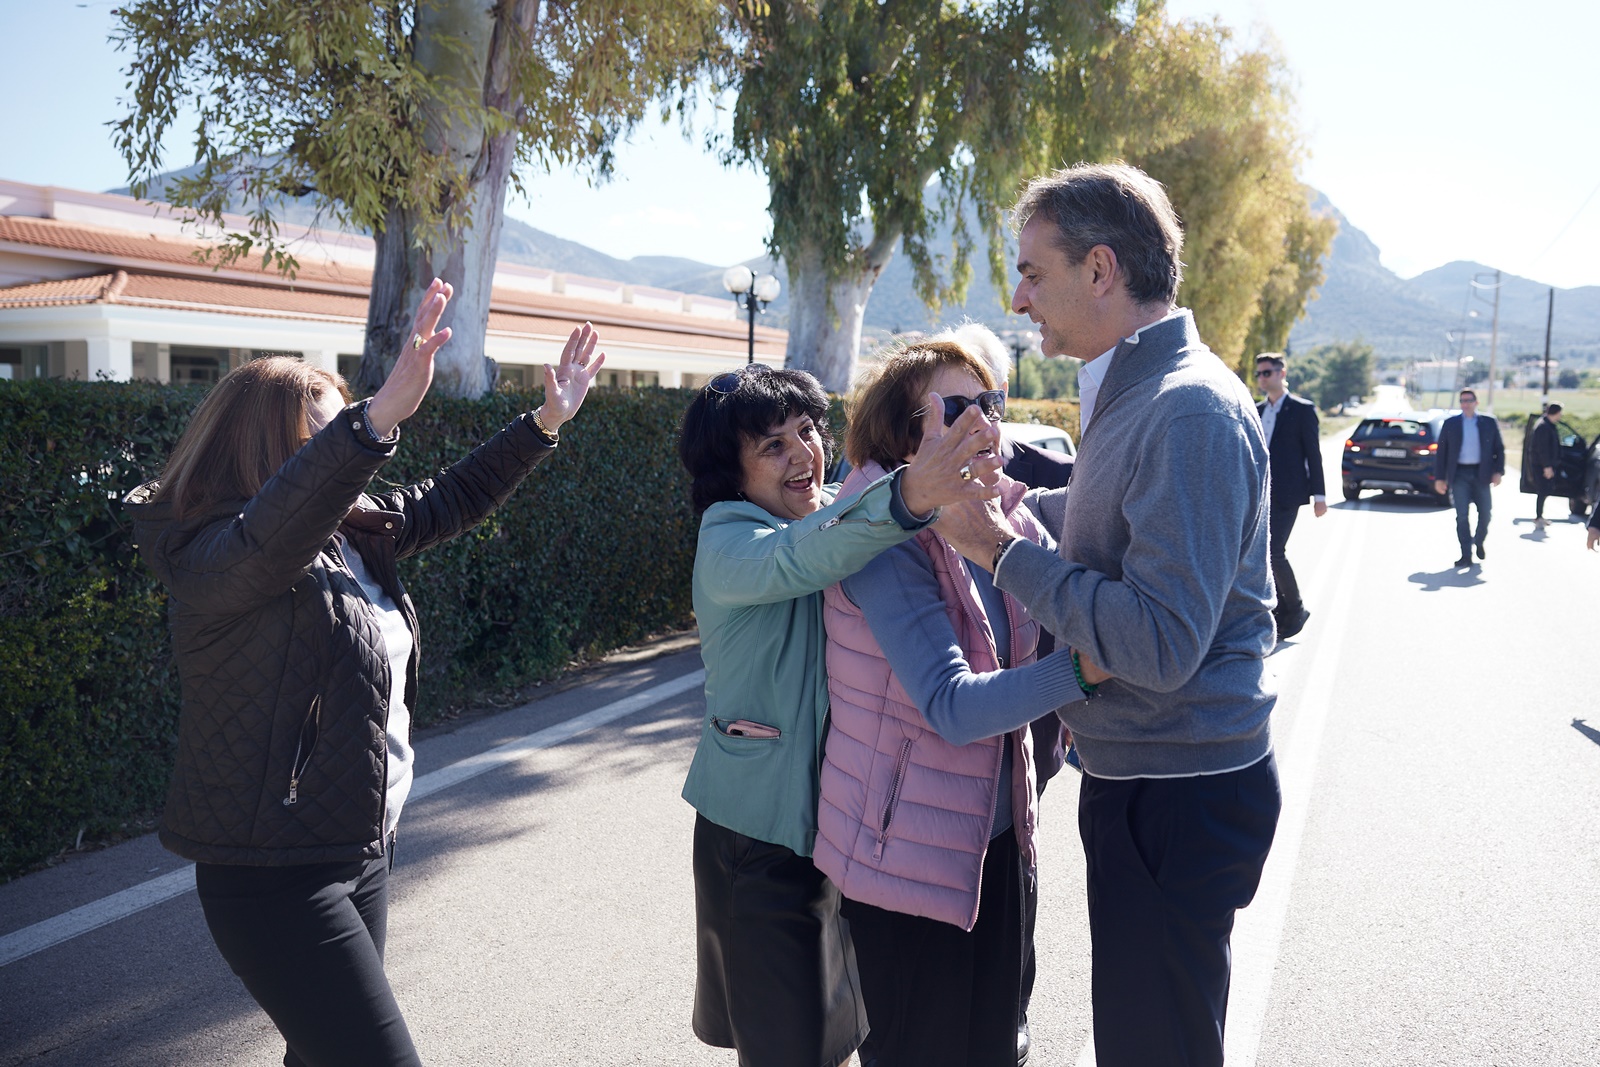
{"x":1389,"y":453}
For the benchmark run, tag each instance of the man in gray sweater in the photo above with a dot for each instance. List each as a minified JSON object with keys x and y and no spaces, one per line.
{"x":1164,"y":590}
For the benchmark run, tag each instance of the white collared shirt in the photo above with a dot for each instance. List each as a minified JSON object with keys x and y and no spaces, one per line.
{"x":1471,"y":446}
{"x":1092,"y":374}
{"x":1269,"y":414}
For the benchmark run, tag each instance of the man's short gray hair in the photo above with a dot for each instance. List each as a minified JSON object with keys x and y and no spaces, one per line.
{"x":1118,"y":206}
{"x":978,"y":340}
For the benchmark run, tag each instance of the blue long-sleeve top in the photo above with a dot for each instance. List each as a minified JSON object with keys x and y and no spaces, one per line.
{"x":898,"y":594}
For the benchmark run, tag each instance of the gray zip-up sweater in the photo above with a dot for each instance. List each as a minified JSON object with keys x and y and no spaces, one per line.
{"x":1163,"y":577}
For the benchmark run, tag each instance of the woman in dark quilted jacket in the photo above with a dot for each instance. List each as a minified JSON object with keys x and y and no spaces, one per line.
{"x":297,"y":650}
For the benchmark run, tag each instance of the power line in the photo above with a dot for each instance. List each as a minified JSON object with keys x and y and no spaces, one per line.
{"x":1567,"y":227}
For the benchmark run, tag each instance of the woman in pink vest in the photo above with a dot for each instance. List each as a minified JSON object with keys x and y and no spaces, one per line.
{"x":926,"y":822}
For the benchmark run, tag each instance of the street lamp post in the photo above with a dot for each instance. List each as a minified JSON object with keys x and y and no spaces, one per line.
{"x":751,"y":293}
{"x":1021,"y":342}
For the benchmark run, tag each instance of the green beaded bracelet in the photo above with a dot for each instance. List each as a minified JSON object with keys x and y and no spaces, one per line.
{"x":1077,"y":672}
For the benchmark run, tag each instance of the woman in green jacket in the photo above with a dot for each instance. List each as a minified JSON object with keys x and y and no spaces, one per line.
{"x":775,"y":975}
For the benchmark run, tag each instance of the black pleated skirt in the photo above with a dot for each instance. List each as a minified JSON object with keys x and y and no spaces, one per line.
{"x":775,"y":971}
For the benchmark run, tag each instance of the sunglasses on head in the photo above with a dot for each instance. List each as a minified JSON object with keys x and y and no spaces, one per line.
{"x":728,"y":383}
{"x":992,"y":402}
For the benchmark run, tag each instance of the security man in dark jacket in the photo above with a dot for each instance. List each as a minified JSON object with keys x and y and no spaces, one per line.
{"x":1544,"y":455}
{"x":1467,"y":466}
{"x":1295,"y":462}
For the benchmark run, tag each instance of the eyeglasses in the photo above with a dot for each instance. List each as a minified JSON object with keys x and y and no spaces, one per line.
{"x":992,"y":402}
{"x":728,"y":383}
{"x":1266,"y":372}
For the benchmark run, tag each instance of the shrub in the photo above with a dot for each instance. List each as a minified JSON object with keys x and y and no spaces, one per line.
{"x":594,"y":551}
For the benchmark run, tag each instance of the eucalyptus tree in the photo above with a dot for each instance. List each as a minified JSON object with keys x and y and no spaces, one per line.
{"x":1213,"y":122}
{"x":406,"y":118}
{"x":876,"y":122}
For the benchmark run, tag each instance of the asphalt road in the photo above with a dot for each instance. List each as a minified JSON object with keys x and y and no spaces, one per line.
{"x":1433,"y":897}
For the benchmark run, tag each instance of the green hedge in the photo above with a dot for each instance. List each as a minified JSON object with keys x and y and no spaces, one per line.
{"x":593,"y":552}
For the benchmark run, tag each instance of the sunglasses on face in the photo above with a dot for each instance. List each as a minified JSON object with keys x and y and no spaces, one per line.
{"x":992,"y":402}
{"x":728,"y":383}
{"x":1266,"y":372}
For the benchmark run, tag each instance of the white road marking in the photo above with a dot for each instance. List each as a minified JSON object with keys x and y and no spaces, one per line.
{"x":64,"y":927}
{"x":1258,"y":930}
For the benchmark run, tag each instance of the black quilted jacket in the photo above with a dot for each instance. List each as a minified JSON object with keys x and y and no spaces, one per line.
{"x":281,"y":736}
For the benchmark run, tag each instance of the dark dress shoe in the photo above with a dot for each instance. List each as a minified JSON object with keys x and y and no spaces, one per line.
{"x":1464,"y":561}
{"x":1287,"y":628}
{"x":1024,"y":1043}
{"x":1481,"y":553}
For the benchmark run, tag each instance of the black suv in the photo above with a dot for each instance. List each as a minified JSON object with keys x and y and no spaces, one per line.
{"x":1394,"y":453}
{"x":1577,"y":468}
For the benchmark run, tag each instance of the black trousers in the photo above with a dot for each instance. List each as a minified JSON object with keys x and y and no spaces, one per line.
{"x":775,"y":975}
{"x":1170,"y":862}
{"x":1280,"y":524}
{"x":307,"y":941}
{"x":937,"y":995}
{"x":1538,"y":505}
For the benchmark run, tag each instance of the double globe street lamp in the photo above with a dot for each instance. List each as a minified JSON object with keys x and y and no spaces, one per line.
{"x":751,"y":293}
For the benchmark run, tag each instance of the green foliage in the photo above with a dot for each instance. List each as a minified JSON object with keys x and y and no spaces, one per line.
{"x":1213,"y":124}
{"x":595,"y":550}
{"x":356,"y":102}
{"x":1328,"y":375}
{"x":1062,"y":414}
{"x":854,"y":107}
{"x":1046,"y":379}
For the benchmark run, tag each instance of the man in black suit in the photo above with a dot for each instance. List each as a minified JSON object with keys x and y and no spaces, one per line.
{"x":1295,"y":460}
{"x":1471,"y":460}
{"x":1544,"y":455}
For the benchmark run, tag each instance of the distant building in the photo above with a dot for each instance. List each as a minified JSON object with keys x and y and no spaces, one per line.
{"x":94,"y":285}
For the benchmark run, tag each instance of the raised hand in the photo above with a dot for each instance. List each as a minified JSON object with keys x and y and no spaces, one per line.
{"x":567,"y":383}
{"x":953,"y":464}
{"x":408,"y":382}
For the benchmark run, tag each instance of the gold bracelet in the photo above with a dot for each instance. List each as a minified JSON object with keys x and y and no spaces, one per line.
{"x":539,"y":425}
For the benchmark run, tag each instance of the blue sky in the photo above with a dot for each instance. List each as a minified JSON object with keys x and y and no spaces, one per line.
{"x":1445,"y":130}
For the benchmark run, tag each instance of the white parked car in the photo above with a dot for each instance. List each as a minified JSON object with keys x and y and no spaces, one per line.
{"x":1048,"y":438}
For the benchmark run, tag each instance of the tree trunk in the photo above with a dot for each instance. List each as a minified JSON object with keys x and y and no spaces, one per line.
{"x":468,"y":49}
{"x":826,"y":309}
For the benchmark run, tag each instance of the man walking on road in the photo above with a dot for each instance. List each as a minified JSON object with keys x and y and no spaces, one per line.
{"x":1471,"y":461}
{"x":1290,"y":423}
{"x":1544,"y":452}
{"x":1163,"y":581}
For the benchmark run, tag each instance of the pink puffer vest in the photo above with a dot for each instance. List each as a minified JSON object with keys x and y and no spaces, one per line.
{"x":905,"y":816}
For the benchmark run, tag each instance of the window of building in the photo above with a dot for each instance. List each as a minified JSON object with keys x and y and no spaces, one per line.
{"x":18,"y":362}
{"x":198,"y":366}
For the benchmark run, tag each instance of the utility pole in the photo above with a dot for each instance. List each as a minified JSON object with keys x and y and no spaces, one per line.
{"x":1550,"y":316}
{"x":1494,"y":339}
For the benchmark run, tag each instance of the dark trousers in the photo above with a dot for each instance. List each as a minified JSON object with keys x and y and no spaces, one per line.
{"x":1538,"y":505}
{"x":1465,"y":489}
{"x":775,"y":975}
{"x":1280,"y":524}
{"x":937,"y":995}
{"x":1170,"y":860}
{"x":307,"y":941}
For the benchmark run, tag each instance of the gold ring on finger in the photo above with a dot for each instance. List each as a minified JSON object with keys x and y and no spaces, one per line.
{"x":416,"y":341}
{"x":966,"y":474}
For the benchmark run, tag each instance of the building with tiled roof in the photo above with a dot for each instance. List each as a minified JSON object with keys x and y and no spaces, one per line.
{"x":94,"y":285}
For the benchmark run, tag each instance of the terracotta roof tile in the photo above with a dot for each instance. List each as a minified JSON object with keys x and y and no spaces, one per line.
{"x":318,"y":289}
{"x":280,"y":301}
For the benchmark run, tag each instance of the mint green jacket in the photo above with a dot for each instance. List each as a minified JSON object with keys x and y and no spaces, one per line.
{"x":758,"y":584}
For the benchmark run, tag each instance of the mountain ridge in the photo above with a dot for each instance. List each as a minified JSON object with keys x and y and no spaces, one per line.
{"x":1405,"y":320}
